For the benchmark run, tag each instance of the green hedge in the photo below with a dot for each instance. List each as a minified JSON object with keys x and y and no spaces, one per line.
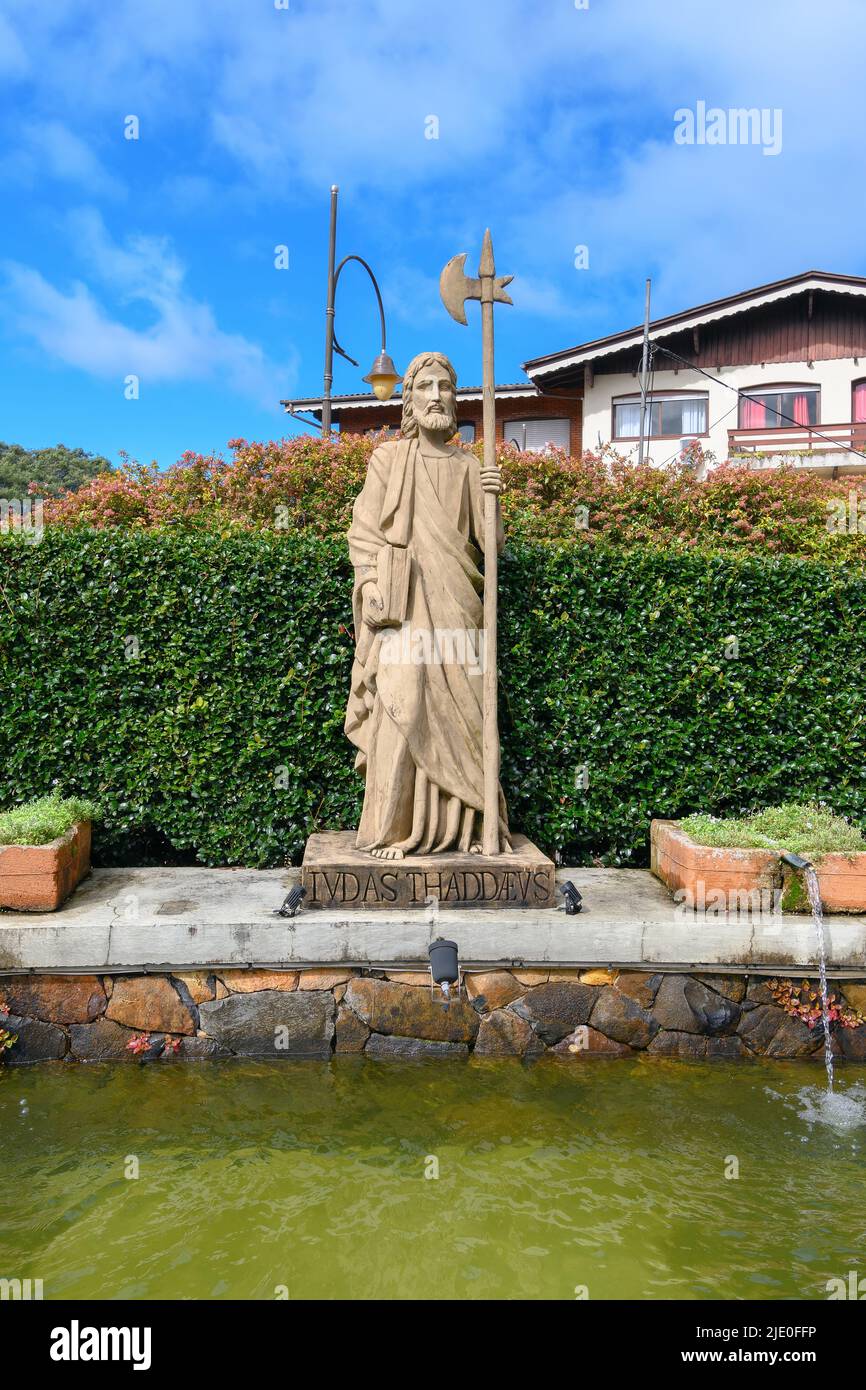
{"x":611,"y":658}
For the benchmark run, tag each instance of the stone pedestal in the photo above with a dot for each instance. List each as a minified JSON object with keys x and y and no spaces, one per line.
{"x":337,"y":875}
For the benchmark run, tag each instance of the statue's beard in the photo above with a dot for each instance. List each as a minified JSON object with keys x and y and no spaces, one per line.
{"x":444,"y":421}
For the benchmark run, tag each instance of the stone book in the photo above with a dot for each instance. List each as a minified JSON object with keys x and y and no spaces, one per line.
{"x":393,"y":569}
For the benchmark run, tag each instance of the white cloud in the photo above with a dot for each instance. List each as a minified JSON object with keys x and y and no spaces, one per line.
{"x":143,"y":268}
{"x":46,"y":150}
{"x":557,"y":121}
{"x":183,"y":341}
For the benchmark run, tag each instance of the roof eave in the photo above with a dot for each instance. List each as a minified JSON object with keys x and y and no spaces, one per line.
{"x":312,"y":405}
{"x":694,"y":318}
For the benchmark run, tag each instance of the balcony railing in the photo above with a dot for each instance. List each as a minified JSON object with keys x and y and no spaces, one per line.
{"x":797,"y":438}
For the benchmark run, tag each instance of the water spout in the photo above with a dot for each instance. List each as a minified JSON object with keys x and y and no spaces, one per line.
{"x":795,"y":861}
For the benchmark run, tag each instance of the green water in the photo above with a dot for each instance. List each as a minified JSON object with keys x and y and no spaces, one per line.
{"x":608,"y":1175}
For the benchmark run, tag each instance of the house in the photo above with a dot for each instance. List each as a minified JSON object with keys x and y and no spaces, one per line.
{"x":524,"y":416}
{"x":771,"y":374}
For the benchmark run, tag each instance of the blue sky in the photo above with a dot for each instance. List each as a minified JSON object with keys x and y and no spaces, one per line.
{"x":155,"y":256}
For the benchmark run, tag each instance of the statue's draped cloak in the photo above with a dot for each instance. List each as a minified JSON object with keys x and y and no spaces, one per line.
{"x":417,"y":721}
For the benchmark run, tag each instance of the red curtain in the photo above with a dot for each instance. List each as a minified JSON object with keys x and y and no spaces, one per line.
{"x":753,"y":414}
{"x":860,"y":401}
{"x":801,"y":408}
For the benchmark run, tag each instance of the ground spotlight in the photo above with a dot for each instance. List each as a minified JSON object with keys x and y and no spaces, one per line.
{"x":292,"y":903}
{"x":573,"y":900}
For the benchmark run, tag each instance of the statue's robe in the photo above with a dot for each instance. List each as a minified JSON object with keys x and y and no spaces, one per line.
{"x":415,"y":706}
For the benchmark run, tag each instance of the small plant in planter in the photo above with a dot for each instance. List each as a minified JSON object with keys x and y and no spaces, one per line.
{"x":806,"y":828}
{"x":44,"y":851}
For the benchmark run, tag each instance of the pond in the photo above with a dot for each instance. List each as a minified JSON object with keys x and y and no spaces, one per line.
{"x":271,"y":1179}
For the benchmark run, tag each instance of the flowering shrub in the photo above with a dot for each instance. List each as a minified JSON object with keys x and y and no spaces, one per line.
{"x":804,"y":1002}
{"x":309,"y":483}
{"x":304,"y":483}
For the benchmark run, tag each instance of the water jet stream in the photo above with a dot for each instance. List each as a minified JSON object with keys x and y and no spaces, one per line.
{"x":814,"y":892}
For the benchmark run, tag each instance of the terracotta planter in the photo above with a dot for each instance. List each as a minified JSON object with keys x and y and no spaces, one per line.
{"x":38,"y":878}
{"x":842,"y":881}
{"x":703,"y":873}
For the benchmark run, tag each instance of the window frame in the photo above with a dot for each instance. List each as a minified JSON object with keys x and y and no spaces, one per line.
{"x":780,"y":389}
{"x":856,"y":381}
{"x":632,"y":398}
{"x":525,"y":420}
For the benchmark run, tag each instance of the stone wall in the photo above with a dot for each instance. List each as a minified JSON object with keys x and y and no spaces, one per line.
{"x":315,"y":1013}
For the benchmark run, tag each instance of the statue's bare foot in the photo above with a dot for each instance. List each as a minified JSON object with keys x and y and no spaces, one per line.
{"x":477,"y":848}
{"x":387,"y":852}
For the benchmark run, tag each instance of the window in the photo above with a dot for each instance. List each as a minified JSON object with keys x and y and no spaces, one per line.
{"x":537,"y":436}
{"x":668,"y":416}
{"x":467,"y":432}
{"x":858,"y":401}
{"x":779,"y":407}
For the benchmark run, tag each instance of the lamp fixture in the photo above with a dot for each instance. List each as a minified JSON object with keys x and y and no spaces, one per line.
{"x":444,"y":966}
{"x":383,"y":377}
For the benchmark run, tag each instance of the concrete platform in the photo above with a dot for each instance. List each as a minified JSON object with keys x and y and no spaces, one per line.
{"x":158,"y":919}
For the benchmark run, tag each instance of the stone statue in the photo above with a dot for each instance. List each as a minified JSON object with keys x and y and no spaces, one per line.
{"x":415,"y":706}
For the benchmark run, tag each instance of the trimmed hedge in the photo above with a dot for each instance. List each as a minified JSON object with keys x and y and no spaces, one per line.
{"x":171,"y":676}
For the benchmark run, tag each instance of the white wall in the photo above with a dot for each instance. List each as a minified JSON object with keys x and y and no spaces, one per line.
{"x":834,"y":379}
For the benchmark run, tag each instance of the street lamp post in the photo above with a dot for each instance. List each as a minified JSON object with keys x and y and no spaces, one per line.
{"x":383,"y":375}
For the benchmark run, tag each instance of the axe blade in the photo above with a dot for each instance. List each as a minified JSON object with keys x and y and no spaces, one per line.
{"x":499,"y":289}
{"x":455,"y":287}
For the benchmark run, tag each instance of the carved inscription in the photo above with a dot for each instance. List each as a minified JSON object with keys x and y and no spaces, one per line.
{"x":337,"y":875}
{"x":405,"y":887}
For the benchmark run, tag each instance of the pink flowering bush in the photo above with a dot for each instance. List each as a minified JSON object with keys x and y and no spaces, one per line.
{"x":308,"y":483}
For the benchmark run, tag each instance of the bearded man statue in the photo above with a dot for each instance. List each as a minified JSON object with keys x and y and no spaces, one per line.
{"x":415,"y":706}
